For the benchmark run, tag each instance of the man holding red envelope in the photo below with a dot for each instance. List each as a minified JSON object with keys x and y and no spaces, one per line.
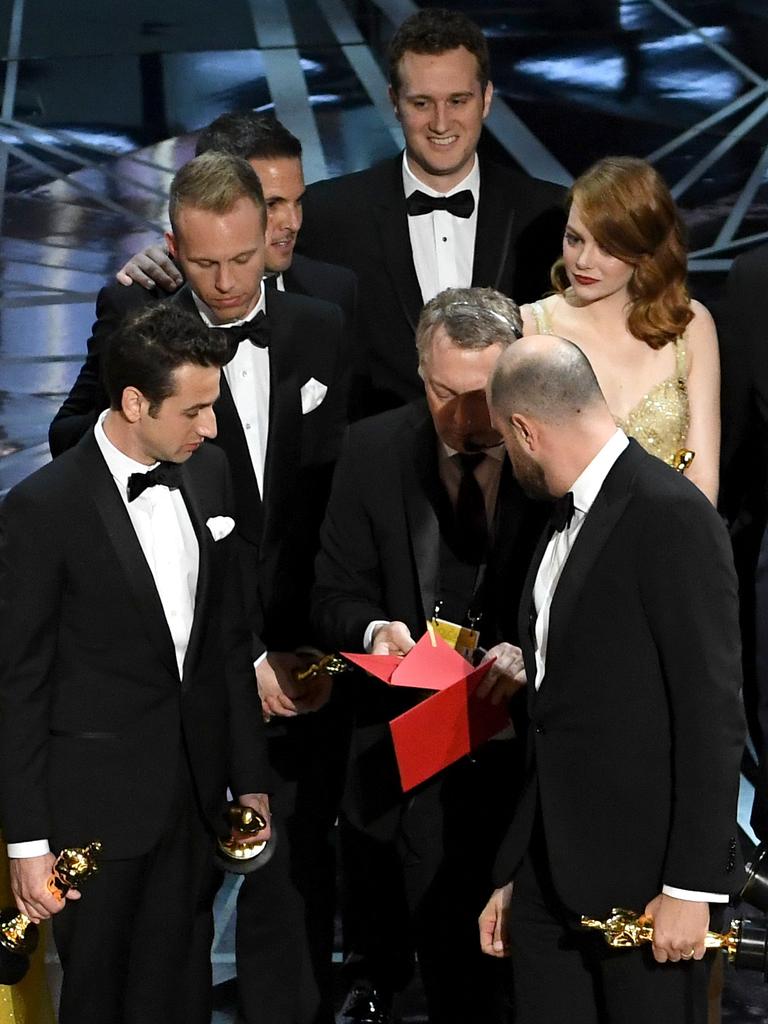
{"x":426,"y":524}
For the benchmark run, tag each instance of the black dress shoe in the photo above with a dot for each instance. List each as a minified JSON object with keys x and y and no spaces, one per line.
{"x":366,"y":1004}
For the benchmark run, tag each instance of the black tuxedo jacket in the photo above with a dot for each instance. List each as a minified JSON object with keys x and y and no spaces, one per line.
{"x":279,"y":529}
{"x":115,"y":301}
{"x":637,"y":731}
{"x":360,"y":221}
{"x":743,"y":330}
{"x":379,"y":559}
{"x":93,"y":715}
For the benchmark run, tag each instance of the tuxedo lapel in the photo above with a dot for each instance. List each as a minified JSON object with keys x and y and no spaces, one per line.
{"x":204,"y":541}
{"x":526,"y":623}
{"x":285,"y":420}
{"x":391,"y":217}
{"x":140,"y":584}
{"x":605,"y":513}
{"x":422,"y":495}
{"x":495,"y":217}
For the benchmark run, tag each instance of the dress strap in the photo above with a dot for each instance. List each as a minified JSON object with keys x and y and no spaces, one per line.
{"x":540,"y":315}
{"x":682,"y":359}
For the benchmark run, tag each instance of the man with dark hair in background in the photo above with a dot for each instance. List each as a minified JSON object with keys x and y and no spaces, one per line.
{"x":436,"y":216}
{"x":126,"y":680}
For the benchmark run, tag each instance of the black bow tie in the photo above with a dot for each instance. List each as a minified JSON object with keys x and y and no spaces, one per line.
{"x":462,"y":204}
{"x":562,"y":513}
{"x":256,"y":331}
{"x":167,"y":474}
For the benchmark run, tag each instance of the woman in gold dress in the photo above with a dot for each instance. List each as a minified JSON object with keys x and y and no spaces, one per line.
{"x":620,"y":295}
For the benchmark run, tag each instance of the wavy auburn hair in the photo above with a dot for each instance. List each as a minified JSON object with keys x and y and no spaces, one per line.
{"x":627,"y":207}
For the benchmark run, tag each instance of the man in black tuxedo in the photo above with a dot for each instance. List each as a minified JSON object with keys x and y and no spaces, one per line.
{"x":743,"y":500}
{"x":281,"y":417}
{"x":435,"y":217}
{"x":629,"y":627}
{"x":126,"y":682}
{"x":425,"y":519}
{"x":151,"y":276}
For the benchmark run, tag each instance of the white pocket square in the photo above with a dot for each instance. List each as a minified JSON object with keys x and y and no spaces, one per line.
{"x":312,"y":394}
{"x":220,"y":526}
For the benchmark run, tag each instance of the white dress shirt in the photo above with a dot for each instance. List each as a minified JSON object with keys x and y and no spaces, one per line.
{"x":168,"y":541}
{"x":443,"y":246}
{"x":248,"y":378}
{"x":585,"y":490}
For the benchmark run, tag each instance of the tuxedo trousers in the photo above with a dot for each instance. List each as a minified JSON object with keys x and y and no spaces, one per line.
{"x":135,"y":949}
{"x":285,"y":911}
{"x":424,"y":891}
{"x":564,"y":974}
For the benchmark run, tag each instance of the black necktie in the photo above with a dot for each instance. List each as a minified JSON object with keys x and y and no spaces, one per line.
{"x":462,"y":204}
{"x":270,"y":281}
{"x":471,"y":521}
{"x":256,"y":331}
{"x":562,"y":513}
{"x":167,"y":474}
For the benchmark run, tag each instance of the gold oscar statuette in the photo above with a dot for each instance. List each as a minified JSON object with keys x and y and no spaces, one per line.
{"x":625,"y":929}
{"x":18,"y":935}
{"x":683,"y":459}
{"x":329,"y":665}
{"x":239,"y":855}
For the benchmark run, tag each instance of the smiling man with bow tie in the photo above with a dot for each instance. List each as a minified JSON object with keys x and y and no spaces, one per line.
{"x":436,"y":216}
{"x":126,"y":680}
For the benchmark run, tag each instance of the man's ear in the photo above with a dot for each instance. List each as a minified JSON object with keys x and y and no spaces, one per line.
{"x":525,"y":430}
{"x":393,"y":100}
{"x":132,"y":403}
{"x":487,"y":97}
{"x":170,"y":241}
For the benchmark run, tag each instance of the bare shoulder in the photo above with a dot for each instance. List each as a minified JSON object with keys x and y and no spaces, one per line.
{"x":701,"y":333}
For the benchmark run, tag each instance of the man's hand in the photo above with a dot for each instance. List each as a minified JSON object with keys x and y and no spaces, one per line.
{"x":151,"y":267}
{"x":277,"y":687}
{"x":260,"y":803}
{"x":679,"y":928}
{"x":391,"y":638}
{"x":493,"y":923}
{"x":29,"y":884}
{"x":506,"y":676}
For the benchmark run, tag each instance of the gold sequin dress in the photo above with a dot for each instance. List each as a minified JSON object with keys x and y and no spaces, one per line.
{"x":28,"y":1002}
{"x":659,"y":421}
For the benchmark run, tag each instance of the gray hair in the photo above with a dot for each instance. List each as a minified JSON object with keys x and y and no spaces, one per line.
{"x":473,"y":318}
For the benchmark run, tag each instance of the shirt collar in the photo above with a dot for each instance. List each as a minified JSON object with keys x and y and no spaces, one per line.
{"x":587,"y":485}
{"x":496,"y":453}
{"x":120,"y":465}
{"x":209,"y":317}
{"x":411,"y":183}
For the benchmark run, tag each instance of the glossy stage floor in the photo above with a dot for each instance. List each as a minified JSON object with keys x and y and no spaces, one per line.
{"x":100,"y":100}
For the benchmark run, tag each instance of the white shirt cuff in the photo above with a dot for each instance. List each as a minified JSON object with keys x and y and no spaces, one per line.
{"x":260,"y":658}
{"x":691,"y":894}
{"x":32,"y":848}
{"x":368,"y":635}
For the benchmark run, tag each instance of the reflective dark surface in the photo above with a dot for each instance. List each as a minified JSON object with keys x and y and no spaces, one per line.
{"x":99,"y":103}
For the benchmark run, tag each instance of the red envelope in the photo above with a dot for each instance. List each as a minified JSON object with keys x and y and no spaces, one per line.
{"x":431,"y":664}
{"x":444,"y":728}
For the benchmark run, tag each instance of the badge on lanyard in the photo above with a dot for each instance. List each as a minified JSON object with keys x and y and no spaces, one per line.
{"x":463,"y":639}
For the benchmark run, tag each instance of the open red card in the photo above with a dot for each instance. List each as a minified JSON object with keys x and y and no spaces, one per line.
{"x":446,"y":726}
{"x":431,"y":664}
